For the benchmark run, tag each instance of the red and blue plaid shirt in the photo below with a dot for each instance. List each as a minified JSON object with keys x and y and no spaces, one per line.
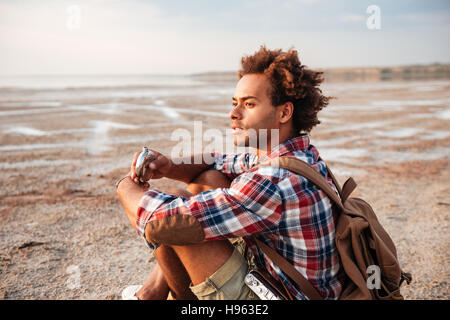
{"x":279,"y":207}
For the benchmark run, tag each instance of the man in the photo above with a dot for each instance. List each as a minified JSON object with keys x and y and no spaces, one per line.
{"x":234,"y":198}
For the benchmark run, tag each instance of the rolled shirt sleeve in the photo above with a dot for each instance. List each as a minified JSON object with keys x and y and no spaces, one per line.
{"x":232,"y":165}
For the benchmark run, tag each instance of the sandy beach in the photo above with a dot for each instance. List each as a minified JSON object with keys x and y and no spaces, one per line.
{"x":64,"y":234}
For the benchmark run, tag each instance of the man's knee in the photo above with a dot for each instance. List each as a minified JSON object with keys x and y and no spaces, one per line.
{"x":207,"y":180}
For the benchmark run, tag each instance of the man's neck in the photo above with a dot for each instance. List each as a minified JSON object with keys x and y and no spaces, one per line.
{"x":261,"y":153}
{"x":284,"y":135}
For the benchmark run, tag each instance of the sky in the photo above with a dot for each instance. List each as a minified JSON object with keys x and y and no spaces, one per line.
{"x":183,"y":37}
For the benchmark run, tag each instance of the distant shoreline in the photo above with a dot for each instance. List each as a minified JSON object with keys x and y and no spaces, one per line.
{"x":428,"y":72}
{"x":408,"y":72}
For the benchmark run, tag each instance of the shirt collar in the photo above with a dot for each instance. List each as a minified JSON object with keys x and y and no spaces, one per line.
{"x":300,"y":142}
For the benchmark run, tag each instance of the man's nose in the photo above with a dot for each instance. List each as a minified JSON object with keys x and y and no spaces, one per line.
{"x":234,"y":113}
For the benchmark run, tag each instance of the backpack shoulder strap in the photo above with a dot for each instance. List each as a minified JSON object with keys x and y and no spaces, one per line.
{"x":333,"y":178}
{"x":306,"y":287}
{"x":305,"y":170}
{"x":302,"y":168}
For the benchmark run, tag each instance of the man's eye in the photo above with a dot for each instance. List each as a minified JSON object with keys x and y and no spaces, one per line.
{"x":249,"y":104}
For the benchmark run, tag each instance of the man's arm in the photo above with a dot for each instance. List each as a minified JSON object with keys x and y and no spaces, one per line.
{"x":231,"y":165}
{"x":130,"y":194}
{"x":252,"y":204}
{"x":181,"y":169}
{"x":185,"y":169}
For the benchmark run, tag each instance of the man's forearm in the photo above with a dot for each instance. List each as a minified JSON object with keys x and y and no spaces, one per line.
{"x":130,"y":194}
{"x":185,"y":169}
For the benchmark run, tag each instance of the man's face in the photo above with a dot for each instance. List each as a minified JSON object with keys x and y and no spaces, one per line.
{"x":252,"y":109}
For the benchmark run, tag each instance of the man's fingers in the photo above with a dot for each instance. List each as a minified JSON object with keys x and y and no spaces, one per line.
{"x":159,"y":162}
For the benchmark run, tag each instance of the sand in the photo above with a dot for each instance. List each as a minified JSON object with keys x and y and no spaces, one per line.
{"x":64,"y":234}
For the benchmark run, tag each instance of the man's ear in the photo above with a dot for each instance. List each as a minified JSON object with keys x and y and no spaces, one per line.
{"x":286,"y":110}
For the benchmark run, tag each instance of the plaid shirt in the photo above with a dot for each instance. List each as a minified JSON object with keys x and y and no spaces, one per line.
{"x":279,"y":207}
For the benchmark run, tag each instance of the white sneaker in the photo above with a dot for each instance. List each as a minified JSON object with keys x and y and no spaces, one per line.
{"x":129,"y":293}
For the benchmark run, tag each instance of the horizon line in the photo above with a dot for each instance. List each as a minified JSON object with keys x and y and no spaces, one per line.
{"x":221,"y":71}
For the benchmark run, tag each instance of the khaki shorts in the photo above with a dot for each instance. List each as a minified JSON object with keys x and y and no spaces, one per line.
{"x":227,"y":283}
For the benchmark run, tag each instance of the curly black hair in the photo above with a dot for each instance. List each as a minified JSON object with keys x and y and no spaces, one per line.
{"x":290,"y":81}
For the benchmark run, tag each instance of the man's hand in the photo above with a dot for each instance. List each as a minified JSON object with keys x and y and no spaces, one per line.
{"x":160,"y":167}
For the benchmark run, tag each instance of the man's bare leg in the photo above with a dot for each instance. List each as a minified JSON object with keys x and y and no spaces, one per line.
{"x":175,"y":275}
{"x":167,"y":275}
{"x":202,"y":260}
{"x":155,"y":287}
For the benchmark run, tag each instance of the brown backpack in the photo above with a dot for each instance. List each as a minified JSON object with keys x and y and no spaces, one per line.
{"x":367,"y":253}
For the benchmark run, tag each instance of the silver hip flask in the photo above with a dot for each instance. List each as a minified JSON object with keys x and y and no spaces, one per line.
{"x":143,"y":172}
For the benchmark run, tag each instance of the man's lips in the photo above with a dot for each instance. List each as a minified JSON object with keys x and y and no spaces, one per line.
{"x":236,"y":129}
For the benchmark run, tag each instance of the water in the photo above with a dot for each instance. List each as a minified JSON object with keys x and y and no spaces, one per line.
{"x":95,"y":81}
